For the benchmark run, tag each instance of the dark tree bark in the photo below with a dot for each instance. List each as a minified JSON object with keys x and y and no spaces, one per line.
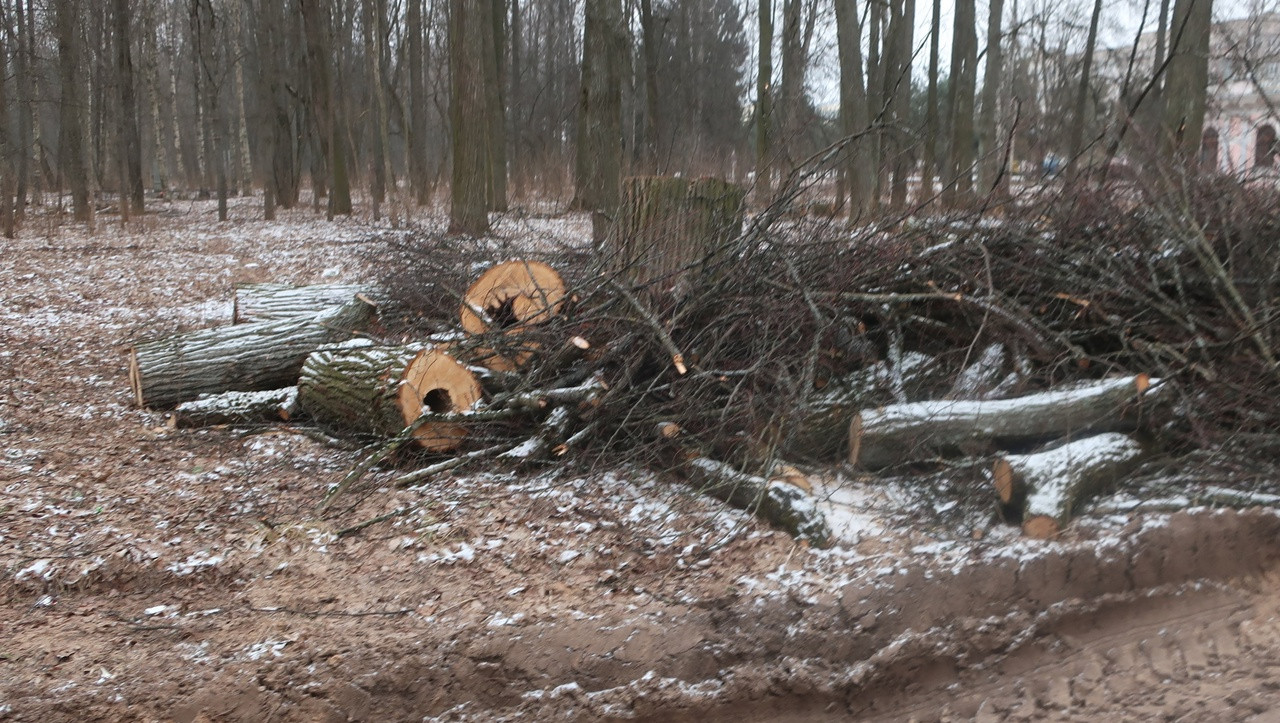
{"x":598,"y":169}
{"x":317,"y":25}
{"x":1080,"y":110}
{"x":71,"y":151}
{"x":991,"y":163}
{"x":964,"y":57}
{"x":853,"y":108}
{"x":495,"y":72}
{"x":764,"y":105}
{"x":130,"y":138}
{"x":417,"y":130}
{"x":932,"y":130}
{"x":468,"y":208}
{"x":649,"y":134}
{"x":1187,"y":77}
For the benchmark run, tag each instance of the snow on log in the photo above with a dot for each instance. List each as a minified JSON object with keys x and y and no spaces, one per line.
{"x":902,"y":432}
{"x":982,"y":376}
{"x":381,"y":390}
{"x":1051,"y":485}
{"x":270,"y":301}
{"x":784,"y":505}
{"x":274,"y":405}
{"x":821,"y":431}
{"x":238,"y":358}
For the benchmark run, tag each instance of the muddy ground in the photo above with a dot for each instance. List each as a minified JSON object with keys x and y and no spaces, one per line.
{"x":160,"y":574}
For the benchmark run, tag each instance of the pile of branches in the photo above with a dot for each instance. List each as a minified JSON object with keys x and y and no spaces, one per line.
{"x":729,"y":360}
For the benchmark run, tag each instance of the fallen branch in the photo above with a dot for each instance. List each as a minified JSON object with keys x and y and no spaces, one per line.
{"x":274,"y":405}
{"x":783,"y":505}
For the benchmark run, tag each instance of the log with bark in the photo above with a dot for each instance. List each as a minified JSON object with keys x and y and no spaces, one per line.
{"x":271,"y":302}
{"x":380,"y":390}
{"x":1048,"y":487}
{"x":904,"y":432}
{"x":669,"y":227}
{"x":242,"y":357}
{"x":785,"y":505}
{"x":273,"y":405}
{"x":821,"y":431}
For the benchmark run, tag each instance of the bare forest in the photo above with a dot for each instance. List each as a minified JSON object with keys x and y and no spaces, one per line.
{"x":661,"y":360}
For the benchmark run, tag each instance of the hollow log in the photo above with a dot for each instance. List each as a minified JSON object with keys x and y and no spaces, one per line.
{"x":669,"y":227}
{"x":1050,"y":486}
{"x":903,"y":432}
{"x":784,"y":505}
{"x":821,"y":432}
{"x":237,"y":358}
{"x":381,"y":390}
{"x":274,"y":405}
{"x":511,"y":295}
{"x":271,"y":301}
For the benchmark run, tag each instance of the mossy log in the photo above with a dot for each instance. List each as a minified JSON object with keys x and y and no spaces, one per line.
{"x":669,"y":227}
{"x":238,"y":358}
{"x":271,"y":301}
{"x":273,"y":405}
{"x":903,"y":432}
{"x":1050,"y":486}
{"x":378,"y":391}
{"x":785,"y":505}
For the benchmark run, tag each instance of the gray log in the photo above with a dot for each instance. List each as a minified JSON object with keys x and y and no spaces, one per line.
{"x":241,"y":357}
{"x":1050,"y":486}
{"x":781,"y":504}
{"x":903,"y":432}
{"x":272,"y":302}
{"x":273,"y":405}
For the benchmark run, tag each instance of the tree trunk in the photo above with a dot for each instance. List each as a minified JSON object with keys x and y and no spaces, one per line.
{"x":793,"y":67}
{"x":317,"y":22}
{"x":598,"y":165}
{"x":1079,"y":118}
{"x":275,"y":405}
{"x":764,"y":105}
{"x":1048,"y":487}
{"x":929,"y":167}
{"x":495,"y":71}
{"x":130,"y":138}
{"x":669,"y":230}
{"x":512,"y":295}
{"x":71,"y":154}
{"x":243,"y":357}
{"x":379,"y":391}
{"x":991,"y":157}
{"x":417,"y":125}
{"x":964,"y":58}
{"x":854,"y":117}
{"x":904,"y":432}
{"x":468,"y":208}
{"x":1187,"y":77}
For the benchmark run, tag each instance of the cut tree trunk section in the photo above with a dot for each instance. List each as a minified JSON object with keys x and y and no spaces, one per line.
{"x":240,"y":358}
{"x":381,"y":390}
{"x":1050,"y":486}
{"x":668,"y":227}
{"x":904,"y":432}
{"x":275,"y":405}
{"x":270,"y":302}
{"x":510,"y":298}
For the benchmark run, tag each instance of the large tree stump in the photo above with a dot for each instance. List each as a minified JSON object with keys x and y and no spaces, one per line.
{"x":381,"y":390}
{"x":902,"y":432}
{"x":238,"y":358}
{"x":1050,"y":486}
{"x":668,"y":227}
{"x":270,"y":301}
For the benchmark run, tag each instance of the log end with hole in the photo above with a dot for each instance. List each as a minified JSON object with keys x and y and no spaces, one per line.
{"x":512,"y":294}
{"x":435,"y":382}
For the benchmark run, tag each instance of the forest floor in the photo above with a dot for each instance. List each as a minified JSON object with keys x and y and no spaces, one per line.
{"x":159,"y":574}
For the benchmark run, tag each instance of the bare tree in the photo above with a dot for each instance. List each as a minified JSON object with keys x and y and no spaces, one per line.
{"x":991,"y":159}
{"x":71,"y":152}
{"x":964,"y":46}
{"x":598,"y":168}
{"x":468,"y":207}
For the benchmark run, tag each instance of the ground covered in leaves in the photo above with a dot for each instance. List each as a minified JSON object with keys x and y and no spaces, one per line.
{"x":155,"y":573}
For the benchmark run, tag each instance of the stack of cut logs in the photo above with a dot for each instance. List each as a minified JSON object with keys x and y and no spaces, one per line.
{"x":1076,"y":437}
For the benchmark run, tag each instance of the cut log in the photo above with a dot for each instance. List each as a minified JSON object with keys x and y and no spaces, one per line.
{"x":779,"y":503}
{"x":271,"y":302}
{"x":274,"y":405}
{"x":512,"y":295}
{"x":670,"y":227}
{"x":821,"y":432}
{"x":381,"y":390}
{"x":238,"y":358}
{"x":904,"y":432}
{"x":1050,"y":486}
